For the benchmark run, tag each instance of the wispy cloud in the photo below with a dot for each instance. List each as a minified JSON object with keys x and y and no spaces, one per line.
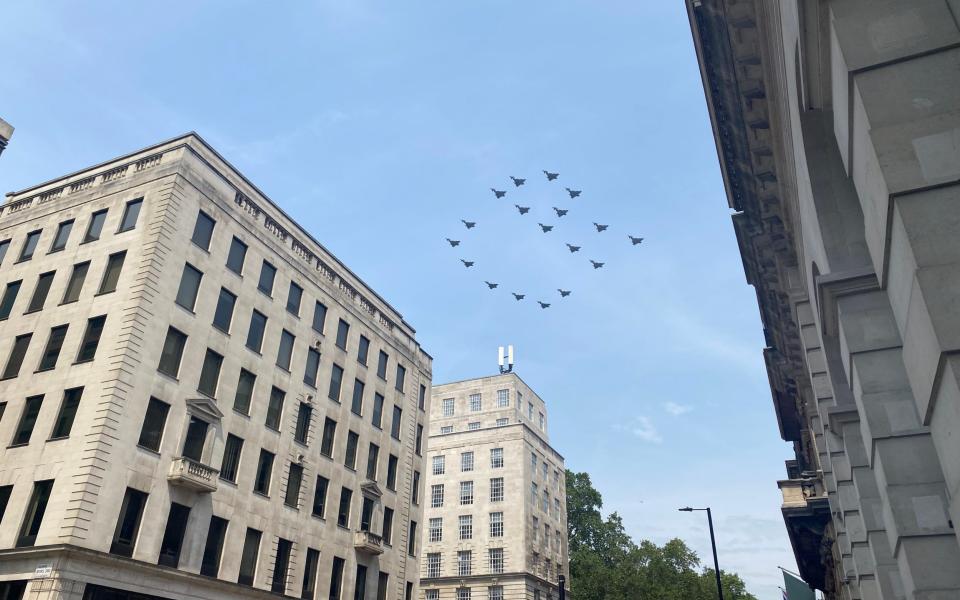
{"x":643,"y":428}
{"x":676,"y":409}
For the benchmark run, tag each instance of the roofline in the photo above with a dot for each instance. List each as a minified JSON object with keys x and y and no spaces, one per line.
{"x":482,"y":377}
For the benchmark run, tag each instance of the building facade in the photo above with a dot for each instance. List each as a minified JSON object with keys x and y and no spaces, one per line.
{"x":495,"y":522}
{"x":837,"y":125}
{"x":6,"y":132}
{"x":197,"y":399}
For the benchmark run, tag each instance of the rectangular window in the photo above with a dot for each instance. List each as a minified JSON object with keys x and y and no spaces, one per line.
{"x":366,"y":513}
{"x":336,"y":380}
{"x":401,"y":377}
{"x":418,"y":445}
{"x":433,"y":563}
{"x":248,"y":556}
{"x":278,"y":583}
{"x":392,"y":473}
{"x":464,"y":563}
{"x":258,"y":325}
{"x":336,"y":578}
{"x":416,"y":488}
{"x":360,"y":590}
{"x":153,"y":424}
{"x":91,"y":339}
{"x":382,"y":582}
{"x":223,"y":315}
{"x":382,"y":365}
{"x":387,"y":533}
{"x":320,"y":496}
{"x":268,"y":273}
{"x":475,"y":403}
{"x":68,"y":412}
{"x":466,"y":461}
{"x":496,"y":524}
{"x":52,"y":351}
{"x":196,"y":439}
{"x":130,"y":214}
{"x":172,"y":352}
{"x":466,"y":493}
{"x":63,"y":234}
{"x":465,"y":523}
{"x":432,"y":594}
{"x":445,"y":429}
{"x":534,"y":494}
{"x":285,"y":351}
{"x":95,"y":228}
{"x":261,"y":483}
{"x":311,"y":368}
{"x":40,"y":292}
{"x":303,"y":423}
{"x":448,"y":406}
{"x":373,"y":457}
{"x":29,"y":246}
{"x":503,"y":422}
{"x":436,"y":495}
{"x":33,"y":518}
{"x":496,"y":489}
{"x":439,"y":465}
{"x":377,"y":410}
{"x":423,"y":397}
{"x":232,"y":450}
{"x":294,"y":296}
{"x":503,"y":398}
{"x":343,"y":330}
{"x":397,"y":419}
{"x":275,"y":408}
{"x":310,"y":568}
{"x":463,"y":593}
{"x":203,"y":230}
{"x":20,"y":345}
{"x":241,"y":402}
{"x":363,"y":349}
{"x":294,"y":480}
{"x":189,"y":287}
{"x":343,"y":513}
{"x":4,"y":246}
{"x":495,"y":592}
{"x":210,"y":374}
{"x":329,"y":433}
{"x":319,"y":316}
{"x":412,"y":541}
{"x":350,"y":456}
{"x":542,"y":422}
{"x":9,"y":297}
{"x":236,"y":256}
{"x":173,"y":534}
{"x":111,"y":275}
{"x":356,"y":407}
{"x":213,"y":547}
{"x":473,"y":426}
{"x":128,"y":523}
{"x":75,"y":284}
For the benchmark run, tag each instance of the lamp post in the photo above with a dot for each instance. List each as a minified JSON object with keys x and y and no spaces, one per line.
{"x":713,"y":544}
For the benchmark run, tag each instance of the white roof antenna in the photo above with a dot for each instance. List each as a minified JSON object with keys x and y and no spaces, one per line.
{"x":505,"y":358}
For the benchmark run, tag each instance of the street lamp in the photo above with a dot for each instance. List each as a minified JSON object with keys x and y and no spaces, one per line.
{"x":713,"y":544}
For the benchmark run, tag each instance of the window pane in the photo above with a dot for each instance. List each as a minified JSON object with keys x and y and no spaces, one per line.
{"x":401,"y":377}
{"x":310,"y":568}
{"x":52,"y":352}
{"x":30,"y":245}
{"x":294,"y":479}
{"x":4,"y":246}
{"x":172,"y":353}
{"x":213,"y":548}
{"x":223,"y":315}
{"x":112,"y":273}
{"x":153,"y":424}
{"x":387,"y":533}
{"x":392,"y":472}
{"x":195,"y":440}
{"x":293,"y":299}
{"x":382,"y":365}
{"x":395,"y":426}
{"x":258,"y":323}
{"x":373,"y":455}
{"x":77,"y":277}
{"x":231,"y":458}
{"x":63,"y":234}
{"x":68,"y":411}
{"x":40,"y":291}
{"x":210,"y":373}
{"x":189,"y":286}
{"x":128,"y":523}
{"x":377,"y":410}
{"x":248,"y":557}
{"x":9,"y":297}
{"x":278,"y":582}
{"x":261,"y":483}
{"x":28,"y":420}
{"x":319,"y":316}
{"x":320,"y":496}
{"x":95,"y":228}
{"x":34,"y":515}
{"x":238,"y":252}
{"x":267,"y":274}
{"x":343,"y":514}
{"x":130,"y":214}
{"x":313,"y":365}
{"x":356,"y":406}
{"x":173,"y":535}
{"x":350,"y":456}
{"x":15,"y":360}
{"x":343,"y":330}
{"x":336,"y":379}
{"x":285,"y":352}
{"x":303,"y":423}
{"x":241,"y":402}
{"x":91,"y":339}
{"x":275,"y":408}
{"x":362,"y":350}
{"x":329,"y":431}
{"x":336,"y":578}
{"x":203,"y":230}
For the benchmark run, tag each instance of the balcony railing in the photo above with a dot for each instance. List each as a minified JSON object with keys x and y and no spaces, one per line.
{"x":798,"y":493}
{"x":194,"y":475}
{"x":367,"y":542}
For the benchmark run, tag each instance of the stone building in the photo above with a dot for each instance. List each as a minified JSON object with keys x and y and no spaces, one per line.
{"x":197,"y":400}
{"x":837,"y":124}
{"x":495,"y":522}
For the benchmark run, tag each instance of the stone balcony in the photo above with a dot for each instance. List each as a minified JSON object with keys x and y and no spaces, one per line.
{"x":367,"y":543}
{"x":193,"y":475}
{"x":806,"y":513}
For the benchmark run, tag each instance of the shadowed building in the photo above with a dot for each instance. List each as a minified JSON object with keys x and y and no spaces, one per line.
{"x":197,"y":400}
{"x":837,"y":125}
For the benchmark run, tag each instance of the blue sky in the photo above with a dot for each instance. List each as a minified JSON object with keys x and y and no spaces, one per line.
{"x":378,"y":126}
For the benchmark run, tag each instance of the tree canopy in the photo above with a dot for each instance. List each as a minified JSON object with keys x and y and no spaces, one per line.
{"x":606,"y":564}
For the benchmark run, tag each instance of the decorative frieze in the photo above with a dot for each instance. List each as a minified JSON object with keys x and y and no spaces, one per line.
{"x":275,"y":228}
{"x":79,"y":186}
{"x":114,"y":174}
{"x":247,"y":205}
{"x":146,"y":163}
{"x":49,"y":195}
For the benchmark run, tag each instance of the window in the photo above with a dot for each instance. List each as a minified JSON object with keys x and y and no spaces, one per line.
{"x":495,"y":556}
{"x":464,"y":563}
{"x":29,"y":246}
{"x":360,"y":591}
{"x":9,"y":297}
{"x":261,"y":483}
{"x":329,"y":432}
{"x":433,"y":565}
{"x":395,"y":425}
{"x":412,"y":542}
{"x":534,"y":494}
{"x":130,"y":214}
{"x":320,"y":496}
{"x":310,"y":568}
{"x":91,"y":339}
{"x":189,"y":287}
{"x":34,"y":515}
{"x":496,"y":524}
{"x":350,"y":456}
{"x":436,"y":495}
{"x":111,"y":275}
{"x":418,"y":445}
{"x":542,"y":423}
{"x":311,"y":368}
{"x":387,"y":533}
{"x":303,"y":423}
{"x":285,"y":351}
{"x":533,"y":464}
{"x":546,"y":502}
{"x":203,"y":230}
{"x":294,"y":296}
{"x":173,"y":535}
{"x":382,"y":365}
{"x":336,"y":578}
{"x":15,"y":360}
{"x":557,"y":541}
{"x":463,"y":593}
{"x":401,"y":377}
{"x":213,"y":547}
{"x":210,"y":374}
{"x":151,"y":433}
{"x":530,"y":410}
{"x":473,"y":425}
{"x":336,"y":379}
{"x":95,"y":228}
{"x":475,"y":403}
{"x":40,"y":292}
{"x":416,"y":488}
{"x":4,"y":246}
{"x":465,"y":523}
{"x":343,"y":330}
{"x":373,"y":457}
{"x":241,"y":402}
{"x":236,"y":256}
{"x":432,"y":594}
{"x":377,"y":410}
{"x":68,"y":412}
{"x":294,"y":480}
{"x":422,"y":402}
{"x":363,"y":348}
{"x":536,"y":528}
{"x":75,"y":285}
{"x":544,"y":469}
{"x":503,"y":398}
{"x":268,"y":273}
{"x":275,"y":408}
{"x":496,"y":489}
{"x":319,"y":316}
{"x":343,"y":513}
{"x":448,"y":407}
{"x":466,"y":461}
{"x":439,"y":465}
{"x":356,"y":407}
{"x":196,"y":439}
{"x":128,"y":523}
{"x":248,"y":556}
{"x":172,"y":353}
{"x":503,"y":422}
{"x":546,"y":539}
{"x":445,"y":429}
{"x":495,"y":592}
{"x":466,"y":493}
{"x":382,"y":580}
{"x":52,"y":351}
{"x":258,"y":324}
{"x":392,"y":472}
{"x":231,"y":458}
